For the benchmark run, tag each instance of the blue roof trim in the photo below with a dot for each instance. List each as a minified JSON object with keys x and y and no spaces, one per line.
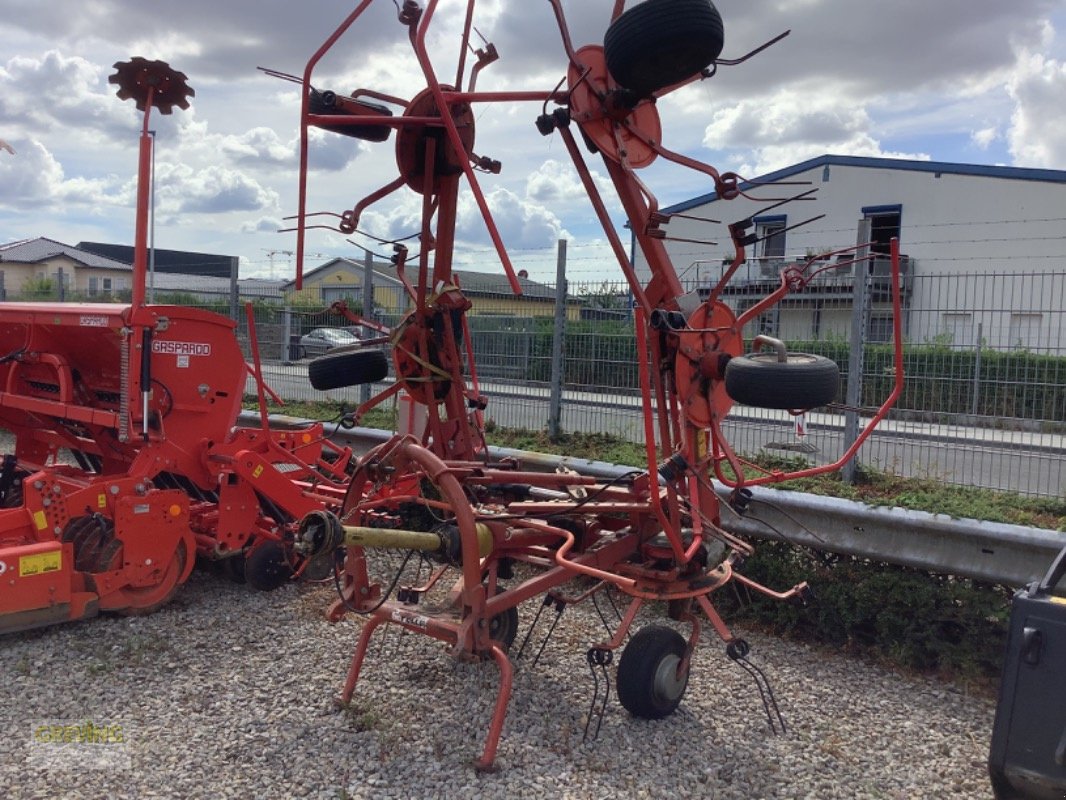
{"x":907,"y":165}
{"x":769,"y":219}
{"x":870,"y":211}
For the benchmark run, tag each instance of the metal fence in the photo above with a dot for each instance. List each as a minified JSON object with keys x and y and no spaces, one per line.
{"x":985,"y":354}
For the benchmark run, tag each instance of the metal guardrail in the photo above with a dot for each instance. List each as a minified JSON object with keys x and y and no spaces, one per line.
{"x":995,"y":552}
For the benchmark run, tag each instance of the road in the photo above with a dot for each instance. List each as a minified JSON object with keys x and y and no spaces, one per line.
{"x":1024,"y":462}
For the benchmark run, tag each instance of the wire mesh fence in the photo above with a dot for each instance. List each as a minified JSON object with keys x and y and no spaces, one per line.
{"x":984,"y":402}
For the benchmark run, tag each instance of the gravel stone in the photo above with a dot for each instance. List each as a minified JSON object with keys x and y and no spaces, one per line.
{"x":228,"y":692}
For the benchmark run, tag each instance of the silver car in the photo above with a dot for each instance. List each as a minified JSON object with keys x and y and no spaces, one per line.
{"x":322,"y":340}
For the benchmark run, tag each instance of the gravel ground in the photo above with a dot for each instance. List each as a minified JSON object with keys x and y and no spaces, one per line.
{"x":229,"y":693}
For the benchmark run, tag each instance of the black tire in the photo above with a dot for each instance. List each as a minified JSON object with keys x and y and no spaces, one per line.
{"x":347,"y":367}
{"x":266,"y":568}
{"x":648,"y":685}
{"x":802,"y":381}
{"x":504,"y":626}
{"x":662,"y":42}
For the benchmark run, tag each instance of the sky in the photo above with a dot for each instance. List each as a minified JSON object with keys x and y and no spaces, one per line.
{"x":972,"y":81}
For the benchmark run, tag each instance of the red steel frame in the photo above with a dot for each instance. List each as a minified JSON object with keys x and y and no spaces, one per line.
{"x":619,"y":534}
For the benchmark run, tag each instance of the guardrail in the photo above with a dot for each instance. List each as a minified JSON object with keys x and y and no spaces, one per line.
{"x":1013,"y":555}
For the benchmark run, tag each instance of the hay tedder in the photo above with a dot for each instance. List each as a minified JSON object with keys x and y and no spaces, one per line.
{"x":126,"y":463}
{"x":653,"y":535}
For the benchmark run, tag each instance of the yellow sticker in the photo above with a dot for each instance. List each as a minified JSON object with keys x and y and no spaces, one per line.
{"x":101,"y":501}
{"x":1060,"y":600}
{"x":40,"y":520}
{"x":40,"y":563}
{"x":257,"y":471}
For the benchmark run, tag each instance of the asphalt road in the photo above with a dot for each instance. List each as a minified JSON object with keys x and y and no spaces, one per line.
{"x":1029,"y":463}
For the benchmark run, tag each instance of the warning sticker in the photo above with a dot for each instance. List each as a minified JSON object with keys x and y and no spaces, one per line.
{"x":90,"y":321}
{"x":40,"y":563}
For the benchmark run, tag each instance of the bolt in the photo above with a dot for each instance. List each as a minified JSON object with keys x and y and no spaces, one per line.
{"x":57,"y":530}
{"x":57,"y":489}
{"x":363,"y":591}
{"x":113,"y":489}
{"x":38,"y":484}
{"x":148,"y":562}
{"x":46,"y":502}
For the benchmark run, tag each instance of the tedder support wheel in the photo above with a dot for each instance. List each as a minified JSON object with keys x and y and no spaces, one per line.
{"x":662,"y":42}
{"x":504,"y":626}
{"x":648,"y":683}
{"x":800,"y":381}
{"x":347,"y":368}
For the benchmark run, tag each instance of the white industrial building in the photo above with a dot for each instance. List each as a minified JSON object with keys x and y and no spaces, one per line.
{"x":984,"y":247}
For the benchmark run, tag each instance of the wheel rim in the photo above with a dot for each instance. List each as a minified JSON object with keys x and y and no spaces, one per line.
{"x":668,"y":684}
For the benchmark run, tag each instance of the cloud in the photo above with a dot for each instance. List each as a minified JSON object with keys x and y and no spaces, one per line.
{"x":776,"y":131}
{"x":263,"y":225}
{"x":33,"y":178}
{"x":1037,"y":135}
{"x":30,"y":178}
{"x":56,"y":92}
{"x":522,"y":224}
{"x":214,"y":190}
{"x":984,"y":137}
{"x":556,"y":182}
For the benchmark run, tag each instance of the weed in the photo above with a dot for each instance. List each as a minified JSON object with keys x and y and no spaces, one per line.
{"x":363,"y":718}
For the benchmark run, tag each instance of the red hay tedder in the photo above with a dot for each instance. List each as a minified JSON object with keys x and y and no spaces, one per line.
{"x":655,"y":534}
{"x":144,"y":400}
{"x":127,"y":462}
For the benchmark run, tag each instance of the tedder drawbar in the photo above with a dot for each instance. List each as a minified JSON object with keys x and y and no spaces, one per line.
{"x":654,"y":535}
{"x":127,"y":461}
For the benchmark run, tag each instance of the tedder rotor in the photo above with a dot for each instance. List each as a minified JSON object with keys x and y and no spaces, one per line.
{"x":654,"y":535}
{"x":127,"y":461}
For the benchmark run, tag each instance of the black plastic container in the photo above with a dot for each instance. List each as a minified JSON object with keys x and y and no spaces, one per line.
{"x":1028,"y":754}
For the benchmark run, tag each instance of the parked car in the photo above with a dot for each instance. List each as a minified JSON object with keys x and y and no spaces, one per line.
{"x":322,"y":340}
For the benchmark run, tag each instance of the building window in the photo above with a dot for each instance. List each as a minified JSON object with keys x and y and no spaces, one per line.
{"x":1025,"y":331}
{"x":94,"y":285}
{"x":770,"y":249}
{"x":106,"y":284}
{"x":885,"y":225}
{"x":881,"y":329}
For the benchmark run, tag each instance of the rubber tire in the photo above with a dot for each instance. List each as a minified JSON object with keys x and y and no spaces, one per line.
{"x":662,"y":42}
{"x":802,"y":381}
{"x":347,"y":367}
{"x":503,"y":628}
{"x":651,"y":651}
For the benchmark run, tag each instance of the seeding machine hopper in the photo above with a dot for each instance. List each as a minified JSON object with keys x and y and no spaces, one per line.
{"x":127,"y":462}
{"x":654,"y":535}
